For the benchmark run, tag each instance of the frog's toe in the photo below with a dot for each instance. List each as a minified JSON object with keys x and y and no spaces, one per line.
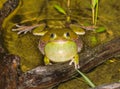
{"x":77,"y":66}
{"x":20,"y":32}
{"x":71,"y":62}
{"x":17,"y":25}
{"x":49,"y":64}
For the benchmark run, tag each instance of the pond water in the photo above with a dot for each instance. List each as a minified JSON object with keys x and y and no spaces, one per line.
{"x":32,"y":12}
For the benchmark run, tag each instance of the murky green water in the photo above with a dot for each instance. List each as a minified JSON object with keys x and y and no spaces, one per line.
{"x":26,"y":46}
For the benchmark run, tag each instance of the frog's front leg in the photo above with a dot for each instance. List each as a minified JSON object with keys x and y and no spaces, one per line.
{"x":75,"y":60}
{"x":47,"y":60}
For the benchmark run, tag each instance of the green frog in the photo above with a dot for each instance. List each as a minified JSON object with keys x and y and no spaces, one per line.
{"x":57,"y":43}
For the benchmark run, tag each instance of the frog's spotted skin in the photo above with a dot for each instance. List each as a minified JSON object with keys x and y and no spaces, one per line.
{"x":61,"y":45}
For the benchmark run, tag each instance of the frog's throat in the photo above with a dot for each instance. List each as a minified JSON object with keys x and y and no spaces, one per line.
{"x":60,"y":51}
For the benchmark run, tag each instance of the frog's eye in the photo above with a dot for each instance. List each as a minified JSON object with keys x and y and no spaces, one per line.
{"x":67,"y":35}
{"x":52,"y":35}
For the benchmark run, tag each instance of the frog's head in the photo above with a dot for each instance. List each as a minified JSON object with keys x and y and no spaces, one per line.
{"x":59,"y":34}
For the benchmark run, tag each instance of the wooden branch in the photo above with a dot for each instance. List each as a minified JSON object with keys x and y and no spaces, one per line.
{"x":9,"y":71}
{"x":109,"y":86}
{"x":8,"y":7}
{"x":46,"y":76}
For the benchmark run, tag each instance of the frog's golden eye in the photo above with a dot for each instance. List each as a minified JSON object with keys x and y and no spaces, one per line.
{"x":67,"y":35}
{"x":52,"y":35}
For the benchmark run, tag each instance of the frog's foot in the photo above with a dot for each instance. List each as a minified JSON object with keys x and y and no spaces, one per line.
{"x":75,"y":60}
{"x":48,"y":64}
{"x":77,"y":66}
{"x":24,"y":29}
{"x":47,"y":61}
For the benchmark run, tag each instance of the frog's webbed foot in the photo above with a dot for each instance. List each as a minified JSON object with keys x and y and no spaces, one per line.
{"x":24,"y":29}
{"x":75,"y":60}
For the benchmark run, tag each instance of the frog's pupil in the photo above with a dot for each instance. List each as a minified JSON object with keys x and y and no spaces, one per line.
{"x":67,"y":34}
{"x":52,"y":35}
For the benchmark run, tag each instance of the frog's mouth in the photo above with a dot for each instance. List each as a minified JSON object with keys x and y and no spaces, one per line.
{"x":60,"y":41}
{"x":60,"y":51}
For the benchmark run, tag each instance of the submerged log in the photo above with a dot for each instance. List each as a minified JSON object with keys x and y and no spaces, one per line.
{"x":109,"y":86}
{"x":9,"y":72}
